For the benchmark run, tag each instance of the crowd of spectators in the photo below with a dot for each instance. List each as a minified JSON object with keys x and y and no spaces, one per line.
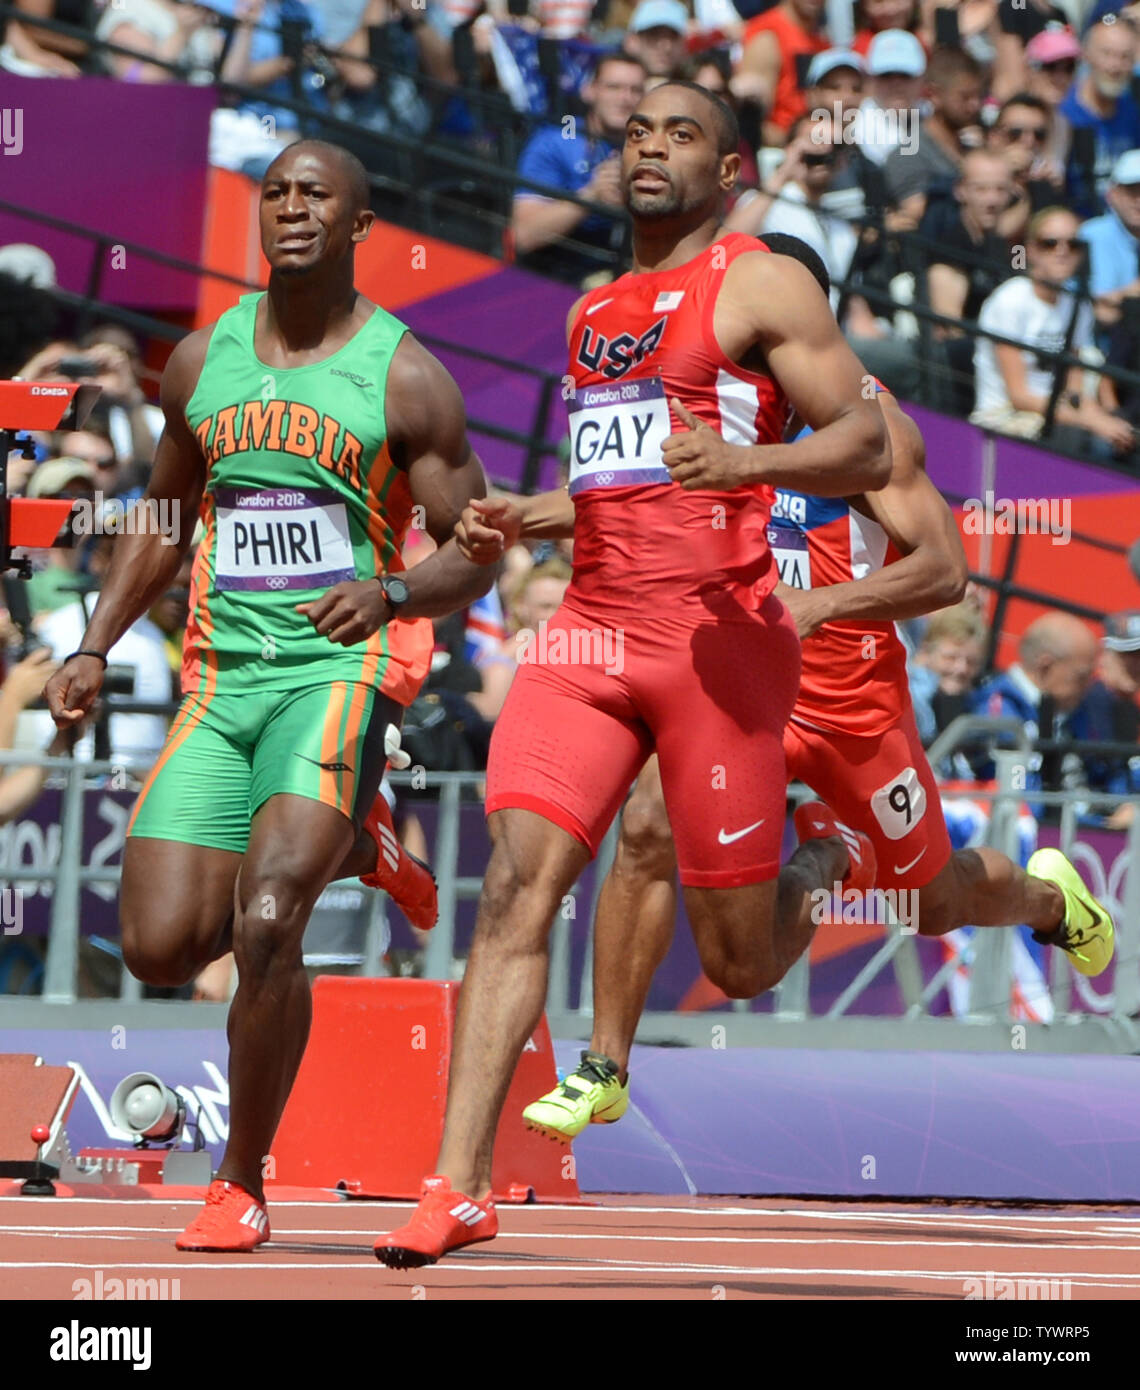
{"x":953,"y":161}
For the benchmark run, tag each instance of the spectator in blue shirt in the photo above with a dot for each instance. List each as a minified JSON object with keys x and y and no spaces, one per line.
{"x":1114,"y":714}
{"x":273,"y":49}
{"x":1046,"y":690}
{"x":580,"y":155}
{"x":1100,"y":101}
{"x":1114,"y":240}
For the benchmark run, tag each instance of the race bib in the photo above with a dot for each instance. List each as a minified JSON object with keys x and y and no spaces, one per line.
{"x":616,"y":434}
{"x":900,"y":805}
{"x":790,"y":551}
{"x":281,"y":538}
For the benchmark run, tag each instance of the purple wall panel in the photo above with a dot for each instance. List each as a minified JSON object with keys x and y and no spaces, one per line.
{"x":73,"y":166}
{"x":744,"y":1121}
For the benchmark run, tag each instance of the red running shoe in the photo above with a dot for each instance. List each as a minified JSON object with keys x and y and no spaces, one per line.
{"x":815,"y":821}
{"x":443,"y":1221}
{"x":407,"y":880}
{"x":232,"y":1220}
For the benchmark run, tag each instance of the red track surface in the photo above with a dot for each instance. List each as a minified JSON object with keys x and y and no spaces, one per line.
{"x":629,"y":1247}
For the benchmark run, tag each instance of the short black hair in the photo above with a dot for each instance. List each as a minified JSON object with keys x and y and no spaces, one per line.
{"x":617,"y":55}
{"x":784,"y":244}
{"x":727,"y":126}
{"x":1035,"y":103}
{"x":356,"y":174}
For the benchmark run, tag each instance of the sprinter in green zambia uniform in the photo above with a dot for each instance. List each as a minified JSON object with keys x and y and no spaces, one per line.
{"x":302,"y":428}
{"x":301,"y":494}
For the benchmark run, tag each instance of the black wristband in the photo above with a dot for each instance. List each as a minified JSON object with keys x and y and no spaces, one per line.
{"x":83,"y":651}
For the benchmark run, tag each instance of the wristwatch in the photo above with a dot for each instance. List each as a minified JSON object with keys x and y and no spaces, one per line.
{"x":395,"y":591}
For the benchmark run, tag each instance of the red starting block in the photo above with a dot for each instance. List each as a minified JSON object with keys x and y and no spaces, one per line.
{"x":34,"y":1104}
{"x":366,"y":1112}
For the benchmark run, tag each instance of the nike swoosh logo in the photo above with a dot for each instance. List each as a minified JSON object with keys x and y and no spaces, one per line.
{"x":727,"y":839}
{"x":901,"y":869}
{"x":593,"y":309}
{"x":328,"y":767}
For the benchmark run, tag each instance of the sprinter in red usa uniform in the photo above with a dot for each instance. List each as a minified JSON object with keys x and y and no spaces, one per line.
{"x":684,"y":373}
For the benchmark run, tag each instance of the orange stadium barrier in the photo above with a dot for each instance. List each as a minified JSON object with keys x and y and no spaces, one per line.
{"x":366,"y":1112}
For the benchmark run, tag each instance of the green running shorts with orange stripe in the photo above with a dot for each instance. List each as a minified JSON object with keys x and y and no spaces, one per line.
{"x":226,"y":755}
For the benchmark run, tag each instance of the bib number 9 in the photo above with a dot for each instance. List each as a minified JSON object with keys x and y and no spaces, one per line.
{"x":900,"y":805}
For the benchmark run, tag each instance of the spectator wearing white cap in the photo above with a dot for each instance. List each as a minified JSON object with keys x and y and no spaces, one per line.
{"x":835,"y":82}
{"x":927,"y":163}
{"x":656,"y":35}
{"x":896,"y":63}
{"x":834,"y":86}
{"x":1114,"y":240}
{"x":1100,"y":103}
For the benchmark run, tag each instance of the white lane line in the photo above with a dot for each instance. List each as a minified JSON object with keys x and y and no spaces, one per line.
{"x":281,"y":1233}
{"x":591,"y":1208}
{"x":260,"y":1264}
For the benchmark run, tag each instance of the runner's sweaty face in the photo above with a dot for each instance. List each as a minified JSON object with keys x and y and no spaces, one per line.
{"x":670,"y":161}
{"x":308,"y":214}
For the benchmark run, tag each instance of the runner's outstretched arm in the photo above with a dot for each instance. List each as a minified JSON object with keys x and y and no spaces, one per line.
{"x":491,"y":525}
{"x":427,"y":437}
{"x":144,"y":560}
{"x":932,"y":571}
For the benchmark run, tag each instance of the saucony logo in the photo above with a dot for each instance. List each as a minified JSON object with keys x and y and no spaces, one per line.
{"x":351,"y":376}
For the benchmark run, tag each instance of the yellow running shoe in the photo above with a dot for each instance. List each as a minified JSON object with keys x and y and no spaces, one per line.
{"x":591,"y":1095}
{"x":1086,"y":931}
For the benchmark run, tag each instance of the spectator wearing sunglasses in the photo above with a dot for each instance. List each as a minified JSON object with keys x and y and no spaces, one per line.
{"x":1014,"y":384}
{"x":1021,"y":136}
{"x":1051,"y":63}
{"x":1114,"y":240}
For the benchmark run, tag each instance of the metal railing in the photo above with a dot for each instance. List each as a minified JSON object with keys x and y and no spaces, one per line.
{"x":986,"y":958}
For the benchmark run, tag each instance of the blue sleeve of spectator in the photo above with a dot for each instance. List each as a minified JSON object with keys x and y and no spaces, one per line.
{"x":540,"y":162}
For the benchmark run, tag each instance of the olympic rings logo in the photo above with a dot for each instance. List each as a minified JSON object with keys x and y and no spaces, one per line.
{"x":276,"y":581}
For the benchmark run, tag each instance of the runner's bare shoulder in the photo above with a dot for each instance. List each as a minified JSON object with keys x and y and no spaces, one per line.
{"x":183,"y":368}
